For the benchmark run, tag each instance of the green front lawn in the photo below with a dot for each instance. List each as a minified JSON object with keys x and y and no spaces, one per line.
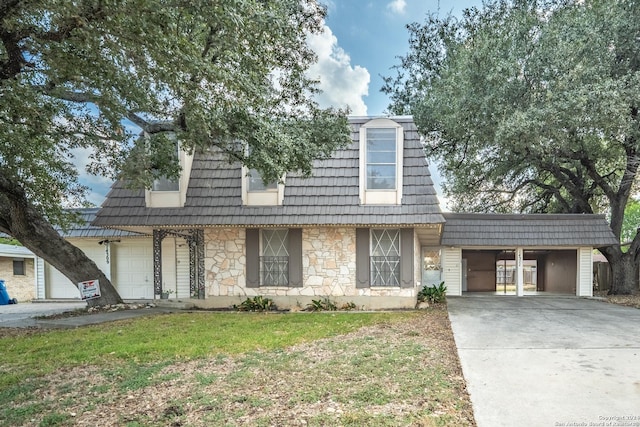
{"x":205,"y":368}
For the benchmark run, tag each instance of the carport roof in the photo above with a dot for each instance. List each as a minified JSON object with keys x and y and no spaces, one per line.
{"x":532,"y":230}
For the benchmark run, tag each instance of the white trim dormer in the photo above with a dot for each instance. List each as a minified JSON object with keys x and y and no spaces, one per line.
{"x":381,"y":155}
{"x":266,"y":195}
{"x":157,"y":197}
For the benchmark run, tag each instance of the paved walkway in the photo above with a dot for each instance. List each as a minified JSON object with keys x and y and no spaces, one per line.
{"x":24,"y":315}
{"x":549,"y":361}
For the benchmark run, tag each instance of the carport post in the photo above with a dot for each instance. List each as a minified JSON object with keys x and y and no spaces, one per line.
{"x":519,"y":273}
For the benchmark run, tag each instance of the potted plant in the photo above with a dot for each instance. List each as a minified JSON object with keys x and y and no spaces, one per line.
{"x":431,"y":295}
{"x":165,"y":294}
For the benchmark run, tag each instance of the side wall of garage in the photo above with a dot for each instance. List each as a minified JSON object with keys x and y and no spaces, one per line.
{"x":561,"y":272}
{"x":481,"y":270}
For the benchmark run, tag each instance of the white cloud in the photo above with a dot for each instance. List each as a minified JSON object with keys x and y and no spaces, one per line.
{"x":342,"y":84}
{"x":397,"y":6}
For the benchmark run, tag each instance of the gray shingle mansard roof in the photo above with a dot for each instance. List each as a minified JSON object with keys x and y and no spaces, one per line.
{"x":535,"y":230}
{"x":329,"y":197}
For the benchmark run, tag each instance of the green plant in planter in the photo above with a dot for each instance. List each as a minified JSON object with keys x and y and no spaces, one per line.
{"x":166,"y":293}
{"x":324,"y":304}
{"x":348,"y":306}
{"x":257,"y":303}
{"x":432,"y":294}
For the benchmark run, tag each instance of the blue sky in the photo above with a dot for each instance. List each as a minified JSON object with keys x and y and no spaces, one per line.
{"x":360,"y":43}
{"x":372,"y":34}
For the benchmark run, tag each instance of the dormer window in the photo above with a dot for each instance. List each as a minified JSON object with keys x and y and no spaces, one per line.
{"x":166,"y":184}
{"x":381,"y":159}
{"x":381,"y":155}
{"x":255,"y":182}
{"x":255,"y":192}
{"x":171,"y":192}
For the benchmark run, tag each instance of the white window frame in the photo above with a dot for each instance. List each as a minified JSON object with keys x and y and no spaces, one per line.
{"x":172,"y":198}
{"x":266,"y":197}
{"x":381,"y":196}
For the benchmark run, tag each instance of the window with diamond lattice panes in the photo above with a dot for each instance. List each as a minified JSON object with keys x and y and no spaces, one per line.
{"x":274,"y":262}
{"x":385,"y":257}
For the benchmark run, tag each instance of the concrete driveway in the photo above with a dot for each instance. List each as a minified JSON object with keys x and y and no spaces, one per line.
{"x":22,"y":315}
{"x":549,"y":361}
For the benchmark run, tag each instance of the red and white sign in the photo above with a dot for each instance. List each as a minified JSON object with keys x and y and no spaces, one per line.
{"x":89,"y":289}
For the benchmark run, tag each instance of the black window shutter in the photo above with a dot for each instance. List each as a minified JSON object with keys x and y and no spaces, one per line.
{"x":253,"y":257}
{"x":406,"y":258}
{"x":362,"y":258}
{"x":295,"y":257}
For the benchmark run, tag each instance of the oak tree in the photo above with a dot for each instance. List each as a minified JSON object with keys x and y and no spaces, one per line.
{"x":92,"y":74}
{"x":532,"y":106}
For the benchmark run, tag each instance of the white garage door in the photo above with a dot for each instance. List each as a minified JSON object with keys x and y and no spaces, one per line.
{"x":58,"y":286}
{"x":133,"y":268}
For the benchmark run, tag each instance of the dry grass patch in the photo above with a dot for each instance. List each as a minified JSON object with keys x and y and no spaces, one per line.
{"x":626,"y":300}
{"x":404,"y":371}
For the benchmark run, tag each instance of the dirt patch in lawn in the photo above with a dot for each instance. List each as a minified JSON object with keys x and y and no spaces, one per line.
{"x":390,"y":374}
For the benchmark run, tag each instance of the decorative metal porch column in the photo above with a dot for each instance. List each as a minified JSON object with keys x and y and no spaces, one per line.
{"x":158,"y":236}
{"x":196,"y":263}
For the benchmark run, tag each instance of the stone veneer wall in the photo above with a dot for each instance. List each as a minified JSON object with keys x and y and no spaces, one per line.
{"x":329,"y":262}
{"x":328,"y":259}
{"x":225,"y":261}
{"x":22,"y":288}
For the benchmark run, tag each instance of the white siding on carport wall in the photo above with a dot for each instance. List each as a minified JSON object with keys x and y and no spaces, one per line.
{"x":452,"y":270}
{"x":59,"y":287}
{"x":584,"y":287}
{"x":169,"y":265}
{"x":182,"y":269}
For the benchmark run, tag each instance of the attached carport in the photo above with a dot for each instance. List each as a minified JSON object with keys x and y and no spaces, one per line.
{"x":521,"y":254}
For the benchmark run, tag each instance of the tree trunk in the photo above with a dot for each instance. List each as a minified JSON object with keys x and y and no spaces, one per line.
{"x":624,"y":280}
{"x":25,"y":223}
